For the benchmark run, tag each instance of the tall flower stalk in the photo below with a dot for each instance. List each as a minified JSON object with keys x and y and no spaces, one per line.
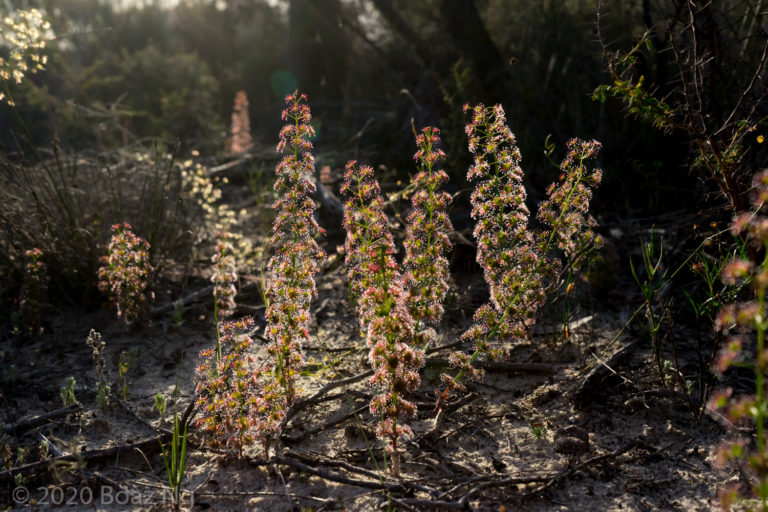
{"x":565,"y":209}
{"x":382,"y":306}
{"x":517,"y":263}
{"x":291,"y":285}
{"x":426,"y":241}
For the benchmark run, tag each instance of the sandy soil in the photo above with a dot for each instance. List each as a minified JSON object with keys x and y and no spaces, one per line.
{"x":646,"y":448}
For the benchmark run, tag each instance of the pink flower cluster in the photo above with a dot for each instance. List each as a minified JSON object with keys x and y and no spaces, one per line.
{"x":224,"y":277}
{"x":296,"y":255}
{"x":125,"y":274}
{"x":382,"y":306}
{"x":236,"y":407}
{"x":738,"y":322}
{"x":426,"y":241}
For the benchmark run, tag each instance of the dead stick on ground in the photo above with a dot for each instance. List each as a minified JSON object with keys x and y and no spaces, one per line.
{"x":325,"y":426}
{"x":399,"y":487}
{"x":303,"y":404}
{"x":144,"y":445}
{"x":30,"y":423}
{"x":91,"y":455}
{"x":316,"y":461}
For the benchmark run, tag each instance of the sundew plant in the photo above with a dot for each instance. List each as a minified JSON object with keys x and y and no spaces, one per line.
{"x":296,"y":254}
{"x":518,"y":263}
{"x":382,"y":309}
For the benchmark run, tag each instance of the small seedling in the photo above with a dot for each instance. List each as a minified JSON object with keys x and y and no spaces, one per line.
{"x":45,"y":448}
{"x":67,"y":392}
{"x":538,"y":430}
{"x":21,"y":455}
{"x":178,"y":313}
{"x":175,"y":458}
{"x":650,"y":287}
{"x":161,"y":405}
{"x":123,"y":365}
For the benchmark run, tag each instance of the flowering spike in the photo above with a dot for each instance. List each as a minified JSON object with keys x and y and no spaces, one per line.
{"x":376,"y":283}
{"x":296,"y":255}
{"x":240,"y":139}
{"x":505,"y":247}
{"x":426,"y":242}
{"x":565,"y":209}
{"x":517,"y":264}
{"x":34,"y":288}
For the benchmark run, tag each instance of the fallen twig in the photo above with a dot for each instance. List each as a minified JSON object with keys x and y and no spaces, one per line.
{"x":152,"y":443}
{"x":303,"y":404}
{"x":325,"y":426}
{"x":401,"y":487}
{"x":30,"y":423}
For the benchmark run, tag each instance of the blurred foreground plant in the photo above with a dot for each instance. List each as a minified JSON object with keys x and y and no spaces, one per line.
{"x":738,"y":321}
{"x":23,"y":36}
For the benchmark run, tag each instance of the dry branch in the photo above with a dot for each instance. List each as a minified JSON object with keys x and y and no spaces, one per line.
{"x":29,"y":423}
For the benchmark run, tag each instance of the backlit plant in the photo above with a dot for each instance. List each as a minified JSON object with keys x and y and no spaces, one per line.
{"x":738,"y":321}
{"x":295,"y":257}
{"x":125,"y":273}
{"x":382,"y":306}
{"x":426,"y":243}
{"x":23,"y":37}
{"x":518,"y":264}
{"x":225,"y":389}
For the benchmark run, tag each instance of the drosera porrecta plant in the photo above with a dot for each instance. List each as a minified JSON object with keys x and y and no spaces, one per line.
{"x":427,"y":241}
{"x":518,"y":263}
{"x":290,"y":287}
{"x":225,"y":391}
{"x":382,"y":307}
{"x":741,"y":323}
{"x":125,"y":274}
